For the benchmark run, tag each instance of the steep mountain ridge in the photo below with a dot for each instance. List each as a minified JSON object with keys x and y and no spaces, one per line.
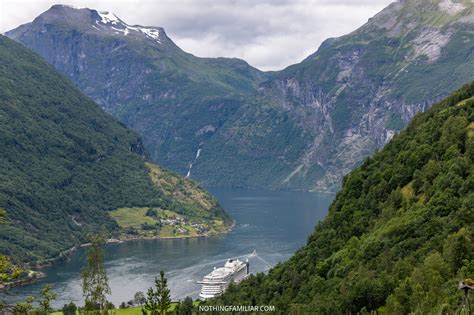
{"x":300,"y":128}
{"x":65,"y":164}
{"x":399,"y":235}
{"x":357,"y":91}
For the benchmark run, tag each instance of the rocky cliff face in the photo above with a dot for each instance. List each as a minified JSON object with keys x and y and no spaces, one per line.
{"x":304,"y":127}
{"x":357,"y":91}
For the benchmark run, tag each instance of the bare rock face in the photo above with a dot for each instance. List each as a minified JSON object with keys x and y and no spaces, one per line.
{"x":356,"y":92}
{"x":430,"y":43}
{"x":304,"y":127}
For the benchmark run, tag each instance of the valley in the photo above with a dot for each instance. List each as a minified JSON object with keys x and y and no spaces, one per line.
{"x":273,"y":223}
{"x":345,"y":181}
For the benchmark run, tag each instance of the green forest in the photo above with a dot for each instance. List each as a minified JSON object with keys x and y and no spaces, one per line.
{"x":399,"y":235}
{"x":64,"y":163}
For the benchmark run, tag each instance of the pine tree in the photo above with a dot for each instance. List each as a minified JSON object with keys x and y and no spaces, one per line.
{"x":151,"y":303}
{"x":95,"y":285}
{"x":163,"y":292}
{"x":158,"y":302}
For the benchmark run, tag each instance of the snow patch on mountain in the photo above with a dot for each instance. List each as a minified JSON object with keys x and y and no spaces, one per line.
{"x":111,"y":20}
{"x":108,"y":17}
{"x":151,"y":32}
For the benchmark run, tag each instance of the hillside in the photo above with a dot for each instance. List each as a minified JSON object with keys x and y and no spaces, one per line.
{"x":398,"y":236}
{"x":65,"y":164}
{"x":300,"y":128}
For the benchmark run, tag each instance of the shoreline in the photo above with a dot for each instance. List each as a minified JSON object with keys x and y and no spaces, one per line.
{"x":64,"y":256}
{"x":137,"y":238}
{"x":149,"y":238}
{"x":35,"y":276}
{"x":318,"y":191}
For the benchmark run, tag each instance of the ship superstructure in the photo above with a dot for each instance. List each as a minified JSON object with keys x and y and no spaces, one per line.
{"x":217,"y":281}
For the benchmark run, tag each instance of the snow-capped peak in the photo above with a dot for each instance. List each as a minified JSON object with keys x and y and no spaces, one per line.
{"x":108,"y":17}
{"x":118,"y":26}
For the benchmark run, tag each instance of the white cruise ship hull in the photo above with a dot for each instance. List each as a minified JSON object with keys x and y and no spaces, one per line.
{"x":216,"y":282}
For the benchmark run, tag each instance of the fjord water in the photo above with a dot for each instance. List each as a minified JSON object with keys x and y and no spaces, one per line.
{"x":274,"y":223}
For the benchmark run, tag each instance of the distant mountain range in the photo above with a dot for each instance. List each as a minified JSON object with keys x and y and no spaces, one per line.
{"x":304,"y":127}
{"x":65,"y":164}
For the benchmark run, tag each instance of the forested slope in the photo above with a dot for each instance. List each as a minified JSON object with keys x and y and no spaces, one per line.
{"x":399,"y":235}
{"x":64,"y":163}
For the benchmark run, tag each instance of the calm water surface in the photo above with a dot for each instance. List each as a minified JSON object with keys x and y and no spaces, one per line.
{"x":273,"y":223}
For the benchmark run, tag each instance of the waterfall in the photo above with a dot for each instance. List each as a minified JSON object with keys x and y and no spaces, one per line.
{"x":189,"y":170}
{"x":198,"y":153}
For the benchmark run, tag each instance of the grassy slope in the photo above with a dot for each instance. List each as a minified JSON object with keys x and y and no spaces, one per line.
{"x":136,"y":219}
{"x":64,"y":162}
{"x":399,"y":235}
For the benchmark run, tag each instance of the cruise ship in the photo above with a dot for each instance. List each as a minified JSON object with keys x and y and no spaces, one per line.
{"x":218,"y":280}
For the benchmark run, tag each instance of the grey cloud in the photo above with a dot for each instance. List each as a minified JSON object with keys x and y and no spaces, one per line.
{"x":269,"y":34}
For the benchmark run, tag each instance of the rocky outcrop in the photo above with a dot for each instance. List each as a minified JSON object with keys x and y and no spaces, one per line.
{"x":356,"y":92}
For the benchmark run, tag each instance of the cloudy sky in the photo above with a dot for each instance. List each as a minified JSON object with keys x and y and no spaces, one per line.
{"x":269,"y":34}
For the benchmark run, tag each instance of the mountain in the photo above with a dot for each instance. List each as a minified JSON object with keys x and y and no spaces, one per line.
{"x":175,"y":100}
{"x":304,"y":127}
{"x":65,"y":164}
{"x":357,"y":91}
{"x":399,"y":235}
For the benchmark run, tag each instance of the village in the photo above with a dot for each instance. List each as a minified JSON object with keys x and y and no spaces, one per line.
{"x":179,"y":224}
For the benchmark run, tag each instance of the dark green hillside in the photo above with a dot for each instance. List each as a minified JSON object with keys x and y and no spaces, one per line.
{"x":64,"y":162}
{"x":399,"y":235}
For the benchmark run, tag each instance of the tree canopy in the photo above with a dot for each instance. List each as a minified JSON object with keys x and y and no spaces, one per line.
{"x":65,"y":164}
{"x":398,"y":236}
